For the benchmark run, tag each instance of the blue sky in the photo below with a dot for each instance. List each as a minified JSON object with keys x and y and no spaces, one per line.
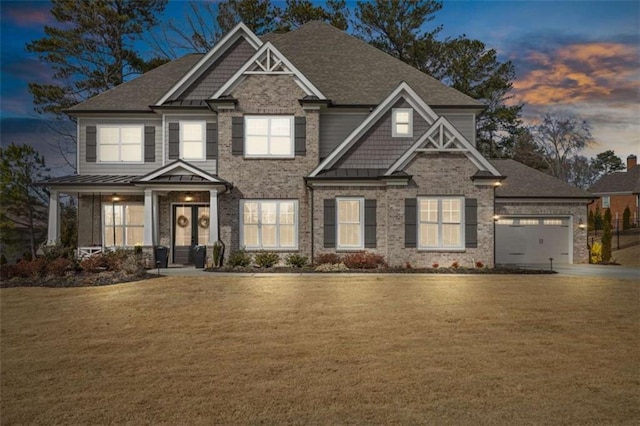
{"x":582,"y":56}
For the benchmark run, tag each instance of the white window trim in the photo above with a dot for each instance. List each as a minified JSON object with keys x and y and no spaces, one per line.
{"x":394,"y":132}
{"x":607,"y":204}
{"x":270,"y":117}
{"x":203,"y":125}
{"x":440,"y":246}
{"x":260,"y":247}
{"x":123,"y":226}
{"x":120,"y":126}
{"x":360,"y":246}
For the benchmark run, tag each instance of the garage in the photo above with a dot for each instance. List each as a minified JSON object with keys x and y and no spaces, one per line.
{"x":526,"y":240}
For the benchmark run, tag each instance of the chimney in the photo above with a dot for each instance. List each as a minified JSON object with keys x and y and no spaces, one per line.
{"x":632,"y":160}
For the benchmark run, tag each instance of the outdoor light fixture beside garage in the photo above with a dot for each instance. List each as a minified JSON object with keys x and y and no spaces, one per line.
{"x":496,"y":217}
{"x":581,"y":224}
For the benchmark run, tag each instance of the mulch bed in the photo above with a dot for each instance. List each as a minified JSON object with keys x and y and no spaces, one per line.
{"x":79,"y":280}
{"x":311,"y":270}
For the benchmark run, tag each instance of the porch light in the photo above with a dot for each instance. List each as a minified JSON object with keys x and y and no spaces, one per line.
{"x":581,"y":224}
{"x":115,"y":197}
{"x":188,"y":197}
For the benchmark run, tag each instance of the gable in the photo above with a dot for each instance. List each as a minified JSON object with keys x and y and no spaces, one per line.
{"x":219,"y":72}
{"x":179,"y":171}
{"x":376,"y":149}
{"x":229,"y":40}
{"x":268,"y":61}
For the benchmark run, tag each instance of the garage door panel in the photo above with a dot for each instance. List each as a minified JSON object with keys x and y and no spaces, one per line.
{"x":532,"y":240}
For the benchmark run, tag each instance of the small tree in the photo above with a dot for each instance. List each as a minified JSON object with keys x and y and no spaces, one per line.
{"x":598,"y":219}
{"x":606,"y":237}
{"x":626,"y":219}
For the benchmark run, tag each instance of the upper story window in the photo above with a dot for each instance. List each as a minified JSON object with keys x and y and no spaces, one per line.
{"x":269,"y":136}
{"x":120,"y":143}
{"x":350,"y":223}
{"x":440,"y":222}
{"x":606,"y":202}
{"x":192,"y":140}
{"x":402,"y":122}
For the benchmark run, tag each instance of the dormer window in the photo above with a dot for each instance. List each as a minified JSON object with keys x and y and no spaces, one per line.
{"x":402,"y":123}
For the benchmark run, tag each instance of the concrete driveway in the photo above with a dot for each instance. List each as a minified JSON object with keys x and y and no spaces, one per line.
{"x":605,"y":271}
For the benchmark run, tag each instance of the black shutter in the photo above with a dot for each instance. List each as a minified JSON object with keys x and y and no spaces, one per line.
{"x":91,"y":144}
{"x":330,"y":223}
{"x":212,"y":141}
{"x":370,"y":223}
{"x":174,"y":141}
{"x":301,"y":136}
{"x":149,"y":144}
{"x":471,"y":222}
{"x":410,"y":221}
{"x":237,"y":135}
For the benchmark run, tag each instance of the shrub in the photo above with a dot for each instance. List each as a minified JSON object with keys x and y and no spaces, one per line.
{"x":266,"y":259}
{"x":455,"y":264}
{"x":435,"y":265}
{"x":239,"y":258}
{"x":479,"y":265}
{"x":30,"y":268}
{"x":217,"y":254}
{"x":327,"y":258}
{"x":626,"y":219}
{"x":364,"y":260}
{"x":59,"y":267}
{"x":296,"y":260}
{"x":331,"y":267}
{"x":57,"y":251}
{"x":606,"y":237}
{"x":96,"y":263}
{"x":407,"y":265}
{"x":596,"y":253}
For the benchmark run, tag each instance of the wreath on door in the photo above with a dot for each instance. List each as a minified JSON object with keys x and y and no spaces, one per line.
{"x":203,"y":221}
{"x":182,"y":221}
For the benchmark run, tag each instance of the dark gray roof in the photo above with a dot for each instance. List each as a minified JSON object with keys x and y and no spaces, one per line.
{"x":89,"y":180}
{"x":351,"y":72}
{"x":358,"y":174}
{"x":628,"y":181}
{"x":139,"y":93}
{"x":525,"y":182}
{"x":177,"y":179}
{"x":345,"y":69}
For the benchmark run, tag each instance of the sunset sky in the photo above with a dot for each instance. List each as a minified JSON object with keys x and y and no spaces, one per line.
{"x":580,"y":56}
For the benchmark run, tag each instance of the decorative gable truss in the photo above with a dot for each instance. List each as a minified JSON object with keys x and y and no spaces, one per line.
{"x":442,"y":136}
{"x":268,"y":61}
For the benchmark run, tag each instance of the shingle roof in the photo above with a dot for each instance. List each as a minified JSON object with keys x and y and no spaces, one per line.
{"x":525,"y":182}
{"x":139,"y":93}
{"x":628,"y":181}
{"x":351,"y":72}
{"x":345,"y":69}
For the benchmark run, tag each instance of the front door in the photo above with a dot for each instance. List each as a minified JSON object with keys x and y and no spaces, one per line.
{"x":191,"y":228}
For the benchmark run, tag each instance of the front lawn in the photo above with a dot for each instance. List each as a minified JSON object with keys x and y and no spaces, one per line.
{"x":481,"y":349}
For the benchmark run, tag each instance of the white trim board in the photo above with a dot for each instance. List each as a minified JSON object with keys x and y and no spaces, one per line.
{"x":175,"y":165}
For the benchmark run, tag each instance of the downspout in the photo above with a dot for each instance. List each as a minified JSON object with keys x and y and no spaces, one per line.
{"x":310,"y":188}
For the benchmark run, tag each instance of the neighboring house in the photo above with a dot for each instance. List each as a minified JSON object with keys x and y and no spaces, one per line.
{"x":308,"y":142}
{"x":617,"y":191}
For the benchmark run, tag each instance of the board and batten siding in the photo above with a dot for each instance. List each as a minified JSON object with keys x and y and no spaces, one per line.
{"x":209,"y":166}
{"x":464,"y":122}
{"x":97,"y":168}
{"x":336,"y":125}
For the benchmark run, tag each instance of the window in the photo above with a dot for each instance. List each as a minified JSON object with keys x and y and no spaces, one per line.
{"x":402,"y":123}
{"x":123,"y":224}
{"x":120,"y":143}
{"x":441,"y":222}
{"x":606,"y":202}
{"x":269,"y":224}
{"x":529,"y":222}
{"x":350,"y":223}
{"x":269,"y":136}
{"x":192,"y":140}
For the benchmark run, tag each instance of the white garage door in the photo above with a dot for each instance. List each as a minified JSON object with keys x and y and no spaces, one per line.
{"x":525,"y":240}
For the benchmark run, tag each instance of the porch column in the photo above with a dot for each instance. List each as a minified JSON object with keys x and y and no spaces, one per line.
{"x":148,"y":218}
{"x":213,"y":212}
{"x":156,"y":217}
{"x":54,"y":218}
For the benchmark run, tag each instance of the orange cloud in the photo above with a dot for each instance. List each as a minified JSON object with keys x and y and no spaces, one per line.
{"x":579,"y":73}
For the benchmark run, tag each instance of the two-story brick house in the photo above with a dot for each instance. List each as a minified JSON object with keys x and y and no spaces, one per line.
{"x":309,"y":141}
{"x":618,"y":191}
